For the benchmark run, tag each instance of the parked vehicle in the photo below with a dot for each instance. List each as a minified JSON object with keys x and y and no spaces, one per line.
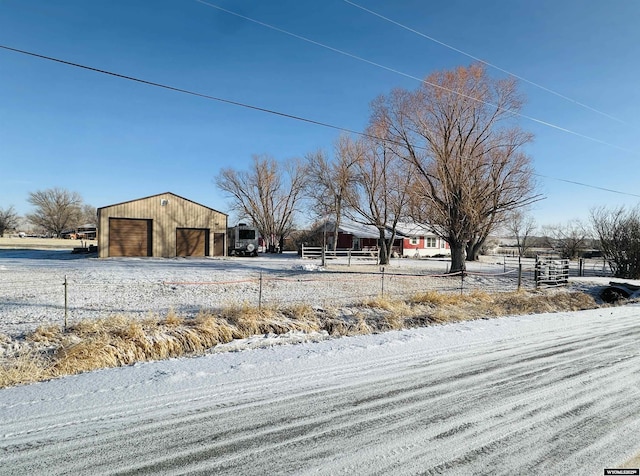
{"x":243,"y":240}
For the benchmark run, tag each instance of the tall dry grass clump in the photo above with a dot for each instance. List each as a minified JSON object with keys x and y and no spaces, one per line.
{"x":443,"y":307}
{"x":51,"y":351}
{"x":24,"y":368}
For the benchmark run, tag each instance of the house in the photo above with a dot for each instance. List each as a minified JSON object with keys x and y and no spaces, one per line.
{"x":83,"y":232}
{"x":413,"y":240}
{"x":163,"y":225}
{"x":352,"y":235}
{"x":420,"y":242}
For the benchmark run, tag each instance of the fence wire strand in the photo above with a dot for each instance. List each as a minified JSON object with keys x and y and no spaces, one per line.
{"x":41,"y":300}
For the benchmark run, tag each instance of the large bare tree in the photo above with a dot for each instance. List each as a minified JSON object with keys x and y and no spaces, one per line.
{"x":56,"y":210}
{"x":329,"y":181}
{"x":8,"y":219}
{"x":268,"y":193}
{"x":457,"y":132}
{"x":380,"y":190}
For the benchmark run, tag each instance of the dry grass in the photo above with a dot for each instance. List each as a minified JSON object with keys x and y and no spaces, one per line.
{"x":51,"y":351}
{"x":454,"y":307}
{"x":24,"y":368}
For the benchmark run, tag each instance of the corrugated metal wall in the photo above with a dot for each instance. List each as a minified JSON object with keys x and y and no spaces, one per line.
{"x":168,"y":212}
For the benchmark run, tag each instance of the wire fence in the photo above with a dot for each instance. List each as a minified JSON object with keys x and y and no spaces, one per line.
{"x":27,"y":303}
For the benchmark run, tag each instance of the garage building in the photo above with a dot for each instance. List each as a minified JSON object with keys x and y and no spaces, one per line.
{"x":164,"y":225}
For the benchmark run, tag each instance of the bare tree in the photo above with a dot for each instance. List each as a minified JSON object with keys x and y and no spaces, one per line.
{"x":56,"y":210}
{"x":329,"y":182}
{"x":380,"y":190}
{"x":521,"y":226}
{"x":619,"y":233}
{"x":268,"y":193}
{"x":8,"y":219}
{"x":88,"y":215}
{"x":457,"y":132}
{"x":567,"y":239}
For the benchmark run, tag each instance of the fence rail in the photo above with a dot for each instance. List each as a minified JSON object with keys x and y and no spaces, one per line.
{"x":317,"y":252}
{"x":583,"y":267}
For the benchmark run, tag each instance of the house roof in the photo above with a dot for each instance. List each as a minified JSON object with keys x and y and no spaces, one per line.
{"x":413,"y":229}
{"x":358,"y":230}
{"x":403,"y":229}
{"x":362,"y":231}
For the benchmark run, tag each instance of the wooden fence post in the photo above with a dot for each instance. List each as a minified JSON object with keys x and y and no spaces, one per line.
{"x":519,"y":274}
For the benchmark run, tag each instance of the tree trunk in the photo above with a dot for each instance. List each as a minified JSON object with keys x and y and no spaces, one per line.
{"x":384,"y":249}
{"x":334,"y":239}
{"x":473,"y":249}
{"x":457,"y":257}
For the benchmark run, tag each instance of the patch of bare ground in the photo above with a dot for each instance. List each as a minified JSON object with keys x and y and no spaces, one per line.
{"x":52,"y":351}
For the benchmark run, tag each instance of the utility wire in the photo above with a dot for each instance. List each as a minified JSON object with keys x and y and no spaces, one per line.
{"x":475,"y":58}
{"x":378,"y":65}
{"x":587,"y":185}
{"x":184,"y":91}
{"x":248,"y":106}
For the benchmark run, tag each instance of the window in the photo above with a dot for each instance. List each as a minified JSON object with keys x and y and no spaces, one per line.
{"x":246,"y":234}
{"x":414,"y":241}
{"x":430,"y":242}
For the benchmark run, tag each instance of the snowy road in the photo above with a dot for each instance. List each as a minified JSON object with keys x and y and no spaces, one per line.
{"x":545,"y":394}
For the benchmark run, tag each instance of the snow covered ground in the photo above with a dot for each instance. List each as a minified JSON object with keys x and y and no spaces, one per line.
{"x":32,"y":291}
{"x":539,"y":394}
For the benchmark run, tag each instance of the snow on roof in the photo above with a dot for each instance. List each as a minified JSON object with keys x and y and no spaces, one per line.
{"x":410,"y":229}
{"x":406,"y":229}
{"x":361,"y":231}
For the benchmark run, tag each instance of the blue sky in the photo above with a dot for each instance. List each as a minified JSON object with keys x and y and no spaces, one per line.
{"x":113,"y":140}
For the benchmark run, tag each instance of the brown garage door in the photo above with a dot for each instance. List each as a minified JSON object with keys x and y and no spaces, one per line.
{"x":192,"y":242}
{"x":129,"y":237}
{"x":218,"y":244}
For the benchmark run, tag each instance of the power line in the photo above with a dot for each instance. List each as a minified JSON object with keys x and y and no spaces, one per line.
{"x":248,"y":106}
{"x":378,"y":65}
{"x":491,"y":65}
{"x":587,"y":185}
{"x":180,"y":90}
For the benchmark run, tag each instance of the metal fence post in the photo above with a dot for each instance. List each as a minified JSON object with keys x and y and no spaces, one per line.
{"x":581,"y":267}
{"x":260,"y":292}
{"x":382,"y":281}
{"x":66,"y":301}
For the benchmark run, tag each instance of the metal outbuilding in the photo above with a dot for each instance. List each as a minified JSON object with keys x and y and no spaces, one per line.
{"x":163,"y":225}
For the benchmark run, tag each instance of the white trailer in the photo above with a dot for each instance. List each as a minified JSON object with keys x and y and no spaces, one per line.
{"x":243,"y":240}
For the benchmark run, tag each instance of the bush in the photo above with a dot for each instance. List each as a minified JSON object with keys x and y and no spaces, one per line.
{"x":619,"y":233}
